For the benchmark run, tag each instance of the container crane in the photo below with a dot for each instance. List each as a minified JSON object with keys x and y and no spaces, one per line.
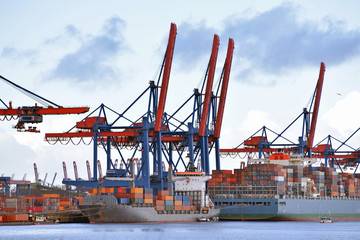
{"x":33,"y":114}
{"x":342,"y":156}
{"x":156,"y":135}
{"x":260,"y":143}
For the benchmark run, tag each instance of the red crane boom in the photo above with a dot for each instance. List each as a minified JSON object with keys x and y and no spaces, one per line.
{"x":224,"y":88}
{"x":166,"y":76}
{"x":209,"y":84}
{"x":316,"y":105}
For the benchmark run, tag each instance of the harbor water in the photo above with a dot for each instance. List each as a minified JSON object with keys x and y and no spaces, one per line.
{"x":212,"y":230}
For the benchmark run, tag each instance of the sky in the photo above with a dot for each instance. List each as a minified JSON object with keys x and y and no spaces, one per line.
{"x":86,"y":53}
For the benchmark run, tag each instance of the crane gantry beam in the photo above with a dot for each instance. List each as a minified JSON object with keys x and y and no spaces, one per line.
{"x":33,"y":114}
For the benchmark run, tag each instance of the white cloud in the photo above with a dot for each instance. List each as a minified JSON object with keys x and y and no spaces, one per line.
{"x":343,"y":117}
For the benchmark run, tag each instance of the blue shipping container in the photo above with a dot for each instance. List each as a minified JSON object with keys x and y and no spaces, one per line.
{"x":186,"y":198}
{"x":123,"y":200}
{"x":169,"y":202}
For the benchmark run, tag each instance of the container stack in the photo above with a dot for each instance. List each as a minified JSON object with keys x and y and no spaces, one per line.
{"x":289,"y":180}
{"x":148,"y":196}
{"x":137,"y":195}
{"x":259,"y":179}
{"x":14,"y":218}
{"x":182,"y":201}
{"x":46,"y":203}
{"x":164,"y":202}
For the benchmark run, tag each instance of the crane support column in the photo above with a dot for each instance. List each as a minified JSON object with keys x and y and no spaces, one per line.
{"x":95,"y":154}
{"x":223,"y":93}
{"x":316,"y":107}
{"x":145,"y":153}
{"x":108,"y":153}
{"x":159,"y":159}
{"x":191,"y":143}
{"x":206,"y":105}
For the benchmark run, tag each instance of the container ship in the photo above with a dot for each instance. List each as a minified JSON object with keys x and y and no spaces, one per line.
{"x":287,"y":188}
{"x":128,"y":205}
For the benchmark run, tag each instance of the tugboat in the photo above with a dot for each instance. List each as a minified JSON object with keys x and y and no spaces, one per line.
{"x":326,"y":220}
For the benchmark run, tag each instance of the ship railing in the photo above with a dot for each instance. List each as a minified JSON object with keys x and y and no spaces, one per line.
{"x":253,"y":191}
{"x":321,"y":197}
{"x":241,"y":191}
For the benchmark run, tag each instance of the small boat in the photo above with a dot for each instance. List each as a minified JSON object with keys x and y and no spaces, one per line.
{"x":326,"y":220}
{"x":206,"y":219}
{"x":42,"y":220}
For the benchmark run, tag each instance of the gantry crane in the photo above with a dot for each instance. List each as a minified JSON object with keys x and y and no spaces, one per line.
{"x":33,"y":114}
{"x":343,"y":156}
{"x":156,"y":135}
{"x":259,"y":143}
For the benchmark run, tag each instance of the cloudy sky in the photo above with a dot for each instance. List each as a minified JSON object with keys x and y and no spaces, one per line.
{"x":85,"y":53}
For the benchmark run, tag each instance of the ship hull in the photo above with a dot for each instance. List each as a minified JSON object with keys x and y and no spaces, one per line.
{"x":130,"y":214}
{"x":288,"y":209}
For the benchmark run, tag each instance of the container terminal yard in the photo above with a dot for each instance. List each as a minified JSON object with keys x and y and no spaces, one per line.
{"x":158,"y":164}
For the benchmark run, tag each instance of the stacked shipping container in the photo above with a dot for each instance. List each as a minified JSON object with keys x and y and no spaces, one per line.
{"x":274,"y":179}
{"x":163,"y":201}
{"x":47,"y":203}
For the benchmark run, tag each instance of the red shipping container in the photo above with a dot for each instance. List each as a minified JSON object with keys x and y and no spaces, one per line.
{"x":163,"y":193}
{"x":159,"y":208}
{"x":8,"y":209}
{"x":160,"y":203}
{"x":38,"y":209}
{"x":186,"y":208}
{"x":148,"y":196}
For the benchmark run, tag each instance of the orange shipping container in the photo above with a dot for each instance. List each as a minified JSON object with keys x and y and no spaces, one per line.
{"x":148,"y":201}
{"x":64,"y":203}
{"x":178,"y":208}
{"x":16,"y":217}
{"x":177,"y":203}
{"x":51,"y":195}
{"x":137,"y":190}
{"x":169,"y":198}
